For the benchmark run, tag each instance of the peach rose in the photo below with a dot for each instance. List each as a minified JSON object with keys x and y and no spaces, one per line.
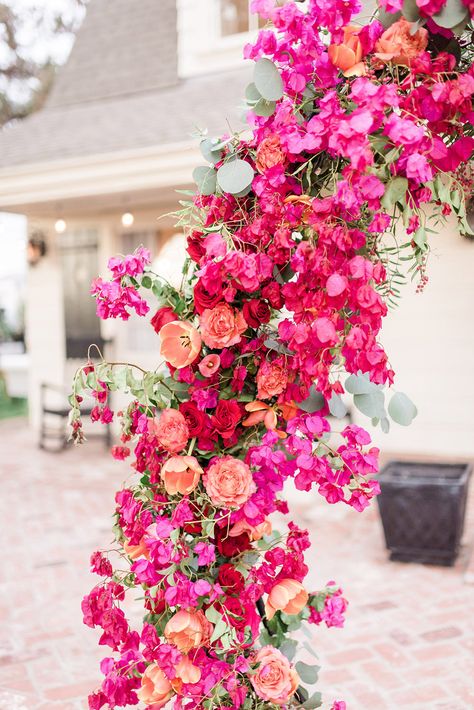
{"x":156,"y":689}
{"x":222,"y":326}
{"x":186,"y":672}
{"x":269,"y":154}
{"x":171,"y":430}
{"x":209,"y":365}
{"x":229,"y":482}
{"x":272,"y":379}
{"x":288,"y":596}
{"x":188,"y":629}
{"x":181,"y":474}
{"x":275,"y":679}
{"x":136,"y":551}
{"x":347,"y":55}
{"x":255,"y":532}
{"x":398,"y":46}
{"x":180,"y":343}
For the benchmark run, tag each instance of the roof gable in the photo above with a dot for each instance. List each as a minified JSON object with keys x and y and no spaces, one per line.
{"x":123,"y":47}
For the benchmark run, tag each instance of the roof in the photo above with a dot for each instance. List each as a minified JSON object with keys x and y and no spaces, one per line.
{"x":126,"y":122}
{"x":120,"y":91}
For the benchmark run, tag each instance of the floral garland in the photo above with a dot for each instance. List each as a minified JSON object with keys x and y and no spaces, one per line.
{"x":358,"y":134}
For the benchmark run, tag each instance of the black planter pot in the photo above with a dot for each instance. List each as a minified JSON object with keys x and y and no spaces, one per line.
{"x":422,"y":506}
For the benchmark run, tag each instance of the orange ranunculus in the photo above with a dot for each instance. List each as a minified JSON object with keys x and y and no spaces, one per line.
{"x":255,"y":532}
{"x":186,"y":672}
{"x":188,"y":629}
{"x":347,"y":56}
{"x":288,"y":596}
{"x":180,"y":343}
{"x":272,"y":379}
{"x":269,"y":153}
{"x":181,"y":474}
{"x":156,"y":689}
{"x":222,"y":326}
{"x":275,"y":679}
{"x":261,"y":412}
{"x":398,"y":45}
{"x":136,"y":551}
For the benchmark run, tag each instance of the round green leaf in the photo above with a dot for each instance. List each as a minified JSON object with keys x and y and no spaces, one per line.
{"x":267,"y":80}
{"x":337,"y":407}
{"x":264,"y":108}
{"x":359,"y":384}
{"x":401,"y":409}
{"x":452,"y":14}
{"x":308,"y":674}
{"x":235,"y":176}
{"x":252,"y":94}
{"x":206,"y":179}
{"x":410,"y":10}
{"x":208,"y":150}
{"x":371,"y":404}
{"x":387,"y":18}
{"x":313,"y":403}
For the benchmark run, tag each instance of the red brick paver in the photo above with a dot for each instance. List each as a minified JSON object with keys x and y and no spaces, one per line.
{"x":408,"y":640}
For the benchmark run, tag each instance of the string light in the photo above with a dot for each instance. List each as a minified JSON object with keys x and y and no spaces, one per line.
{"x":127,"y":219}
{"x":60,"y":226}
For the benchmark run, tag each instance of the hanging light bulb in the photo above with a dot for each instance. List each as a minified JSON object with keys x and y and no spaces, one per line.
{"x":60,"y":226}
{"x":127,"y":219}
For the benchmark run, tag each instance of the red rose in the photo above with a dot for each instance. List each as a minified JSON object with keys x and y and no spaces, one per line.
{"x":203,"y":299}
{"x":195,"y":419}
{"x":230,"y":579}
{"x":237,"y":612}
{"x":162,"y":316}
{"x":230,"y":546}
{"x":195,"y":247}
{"x":256,"y":312}
{"x":272,"y":292}
{"x":226,"y":417}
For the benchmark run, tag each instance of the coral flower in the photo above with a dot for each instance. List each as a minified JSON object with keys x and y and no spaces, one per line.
{"x":288,"y":596}
{"x":261,"y":412}
{"x":171,"y":430}
{"x":229,"y":482}
{"x":136,"y":551}
{"x":272,"y":379}
{"x":156,"y":689}
{"x":222,"y":326}
{"x":398,"y":45}
{"x":180,"y":343}
{"x":275,"y":679}
{"x":347,"y":55}
{"x":181,"y":474}
{"x":188,"y":629}
{"x":255,"y":532}
{"x":209,"y":365}
{"x":186,"y":672}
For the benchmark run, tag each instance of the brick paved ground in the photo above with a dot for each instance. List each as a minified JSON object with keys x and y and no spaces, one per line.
{"x":408,"y":641}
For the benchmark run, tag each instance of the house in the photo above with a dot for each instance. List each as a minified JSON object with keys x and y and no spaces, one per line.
{"x":97,"y":167}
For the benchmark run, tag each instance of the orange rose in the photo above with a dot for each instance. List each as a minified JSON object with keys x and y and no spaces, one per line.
{"x":288,"y":596}
{"x":275,"y":679}
{"x":255,"y":532}
{"x":156,"y":689}
{"x":180,"y":343}
{"x":347,"y":55}
{"x":136,"y":551}
{"x":171,"y":430}
{"x":222,"y":326}
{"x":272,"y":379}
{"x":398,"y":45}
{"x":228,"y":482}
{"x":188,"y":629}
{"x":181,"y":474}
{"x":269,"y":154}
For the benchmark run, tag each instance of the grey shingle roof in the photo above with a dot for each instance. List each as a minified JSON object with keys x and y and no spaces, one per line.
{"x":120,"y":91}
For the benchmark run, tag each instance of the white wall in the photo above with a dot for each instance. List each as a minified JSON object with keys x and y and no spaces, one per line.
{"x":430,"y":342}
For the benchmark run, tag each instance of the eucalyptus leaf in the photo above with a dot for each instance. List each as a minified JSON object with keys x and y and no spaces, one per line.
{"x":410,"y":10}
{"x":452,"y":14}
{"x":268,"y":80}
{"x":206,"y":179}
{"x":264,"y":108}
{"x":209,"y":151}
{"x":387,"y":18}
{"x":235,"y":176}
{"x":314,"y":701}
{"x":385,"y":425}
{"x":401,"y":409}
{"x":371,"y":404}
{"x":252,"y":94}
{"x":337,"y":407}
{"x":308,"y":674}
{"x":288,"y":648}
{"x":213,"y":615}
{"x":313,"y":403}
{"x":359,"y":384}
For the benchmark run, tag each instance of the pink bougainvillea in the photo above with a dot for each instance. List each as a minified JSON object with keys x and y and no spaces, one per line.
{"x":356,"y":133}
